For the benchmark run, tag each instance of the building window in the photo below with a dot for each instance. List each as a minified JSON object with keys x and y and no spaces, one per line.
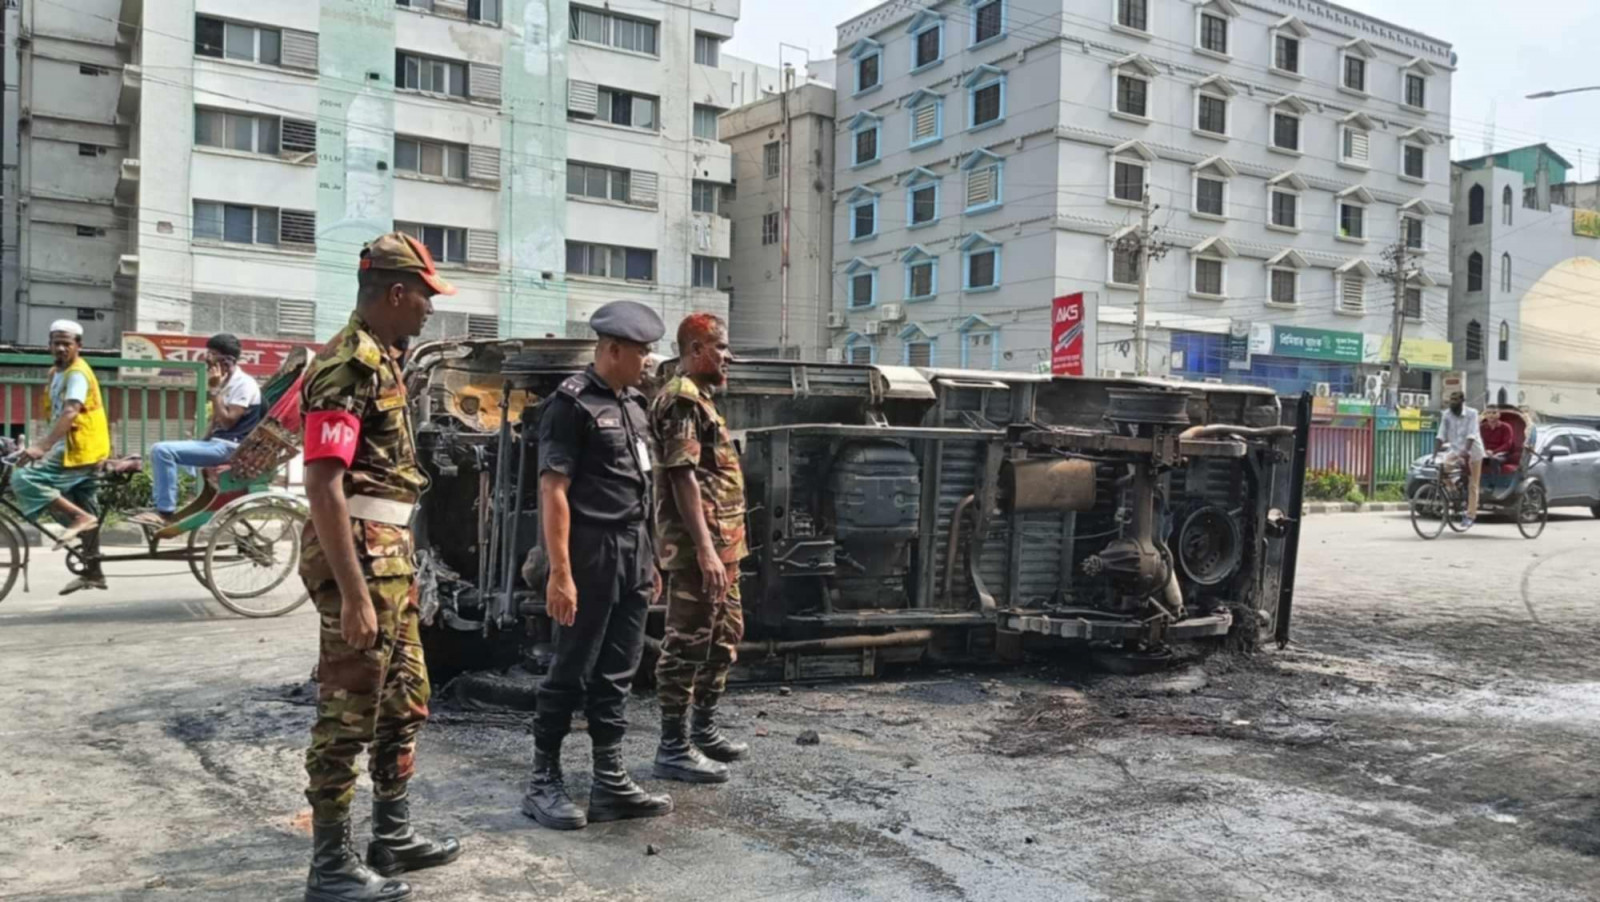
{"x":1505,"y":272}
{"x":1352,"y":221}
{"x":236,"y":41}
{"x":1475,"y":271}
{"x":866,"y":142}
{"x":919,"y":353}
{"x":1506,"y":205}
{"x":447,"y":244}
{"x":1355,"y":148}
{"x":1355,"y":73}
{"x":986,"y":90}
{"x":704,"y":274}
{"x":626,"y":109}
{"x":858,"y":351}
{"x":1134,"y":14}
{"x":1415,"y":158}
{"x":1285,"y":209}
{"x":447,"y":161}
{"x":1210,"y":195}
{"x":429,"y":76}
{"x":599,"y":182}
{"x":485,"y":11}
{"x":863,"y":216}
{"x":927,"y":45}
{"x":862,"y":285}
{"x":707,"y":49}
{"x":769,"y":229}
{"x":1124,"y":264}
{"x":1475,"y":205}
{"x":1286,"y":53}
{"x":1212,"y":115}
{"x":593,"y":26}
{"x":1208,"y":276}
{"x":868,"y":73}
{"x":1127,"y":181}
{"x":983,"y":269}
{"x":1214,"y":33}
{"x":1413,"y":303}
{"x":921,"y":279}
{"x":1133,"y":96}
{"x":705,"y":121}
{"x":1416,"y":91}
{"x":927,"y":121}
{"x":923,"y":204}
{"x":1505,"y":340}
{"x":1285,"y":286}
{"x":771,"y":159}
{"x":1353,"y":292}
{"x":1285,"y":131}
{"x":983,"y":187}
{"x":605,"y":261}
{"x":979,"y":348}
{"x":1413,"y":229}
{"x":236,"y":223}
{"x":988,"y":21}
{"x":704,"y":196}
{"x":1474,"y":341}
{"x":235,"y":131}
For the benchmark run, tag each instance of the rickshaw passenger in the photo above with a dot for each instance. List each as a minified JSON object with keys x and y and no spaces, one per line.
{"x":65,"y":457}
{"x":1499,"y":441}
{"x":235,"y":410}
{"x":1459,"y":437}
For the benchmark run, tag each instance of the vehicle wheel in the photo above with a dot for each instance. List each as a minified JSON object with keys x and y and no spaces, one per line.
{"x":10,"y":556}
{"x":1430,"y":510}
{"x":251,"y":560}
{"x":1533,"y":511}
{"x":197,"y":556}
{"x":1595,"y":510}
{"x":1458,"y":509}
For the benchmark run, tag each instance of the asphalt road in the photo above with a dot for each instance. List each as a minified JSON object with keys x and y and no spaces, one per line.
{"x":1429,"y":735}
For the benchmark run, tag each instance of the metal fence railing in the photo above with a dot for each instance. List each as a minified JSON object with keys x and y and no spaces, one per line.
{"x":1376,"y":451}
{"x":140,"y":410}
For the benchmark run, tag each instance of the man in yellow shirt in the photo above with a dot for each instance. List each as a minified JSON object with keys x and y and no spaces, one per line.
{"x":79,"y":439}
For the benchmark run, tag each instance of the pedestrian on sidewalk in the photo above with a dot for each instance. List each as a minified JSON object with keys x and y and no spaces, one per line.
{"x":595,"y":508}
{"x":362,"y":482}
{"x":700,"y":510}
{"x":1459,"y":437}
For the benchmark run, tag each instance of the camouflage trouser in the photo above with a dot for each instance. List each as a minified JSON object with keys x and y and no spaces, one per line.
{"x":376,"y":698}
{"x":700,"y":644}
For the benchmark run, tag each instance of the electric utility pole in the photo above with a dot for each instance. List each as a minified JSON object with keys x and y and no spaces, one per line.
{"x":1400,"y":273}
{"x":1144,"y":247}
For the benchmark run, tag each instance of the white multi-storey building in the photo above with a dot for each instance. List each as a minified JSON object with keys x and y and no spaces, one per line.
{"x":991,"y":154}
{"x":551,"y":165}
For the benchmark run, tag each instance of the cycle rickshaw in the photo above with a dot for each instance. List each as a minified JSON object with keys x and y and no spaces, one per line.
{"x":240,"y":535}
{"x":1511,"y":485}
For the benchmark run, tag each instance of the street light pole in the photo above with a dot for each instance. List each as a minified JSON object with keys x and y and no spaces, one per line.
{"x":1543,"y":95}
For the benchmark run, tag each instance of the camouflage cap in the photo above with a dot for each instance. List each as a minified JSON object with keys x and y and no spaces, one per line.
{"x":400,"y":252}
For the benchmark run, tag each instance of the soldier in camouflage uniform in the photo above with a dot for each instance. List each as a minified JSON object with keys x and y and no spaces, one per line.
{"x":363,"y":482}
{"x":700,"y":526}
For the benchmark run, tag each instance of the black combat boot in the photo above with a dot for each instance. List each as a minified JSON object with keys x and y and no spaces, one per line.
{"x":708,"y":736}
{"x":613,"y":796}
{"x":396,"y":847}
{"x":337,"y":875}
{"x":678,"y":759}
{"x":546,"y":800}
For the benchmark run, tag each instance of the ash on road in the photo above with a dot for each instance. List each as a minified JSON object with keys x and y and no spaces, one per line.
{"x":1430,"y":734}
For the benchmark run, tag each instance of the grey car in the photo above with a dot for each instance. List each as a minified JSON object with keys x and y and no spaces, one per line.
{"x":1568,"y":465}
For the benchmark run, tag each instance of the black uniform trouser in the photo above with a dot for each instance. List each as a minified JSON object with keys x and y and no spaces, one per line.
{"x":596,"y":657}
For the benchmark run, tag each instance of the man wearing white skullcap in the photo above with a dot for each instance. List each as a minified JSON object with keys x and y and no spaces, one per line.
{"x":78,"y":440}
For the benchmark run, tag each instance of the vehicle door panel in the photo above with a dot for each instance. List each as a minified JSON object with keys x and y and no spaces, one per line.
{"x":1559,"y":472}
{"x":1586,"y":475}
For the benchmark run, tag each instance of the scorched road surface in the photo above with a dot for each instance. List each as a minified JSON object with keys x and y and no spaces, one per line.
{"x":1431,"y":734}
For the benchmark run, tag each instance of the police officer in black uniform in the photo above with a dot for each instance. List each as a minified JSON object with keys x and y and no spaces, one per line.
{"x":595,"y":507}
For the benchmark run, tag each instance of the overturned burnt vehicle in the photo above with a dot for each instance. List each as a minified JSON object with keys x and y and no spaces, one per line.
{"x":898,"y":514}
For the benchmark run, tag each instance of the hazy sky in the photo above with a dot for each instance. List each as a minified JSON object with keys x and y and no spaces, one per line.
{"x":1503,"y":57}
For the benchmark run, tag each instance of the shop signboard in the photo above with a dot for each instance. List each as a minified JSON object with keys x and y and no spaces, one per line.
{"x":1239,"y":345}
{"x":1066,"y":335}
{"x":259,"y":358}
{"x":1416,"y":353}
{"x":1317,"y":344}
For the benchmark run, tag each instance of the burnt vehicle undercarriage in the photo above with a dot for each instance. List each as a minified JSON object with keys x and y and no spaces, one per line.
{"x":897,"y":514}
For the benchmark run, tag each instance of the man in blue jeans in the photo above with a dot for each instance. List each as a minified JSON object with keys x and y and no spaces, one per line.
{"x":235,"y":409}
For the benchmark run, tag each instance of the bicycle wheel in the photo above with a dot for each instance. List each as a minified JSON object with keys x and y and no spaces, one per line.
{"x":251,"y":559}
{"x":1533,"y":511}
{"x":10,"y":554}
{"x":1457,"y":499}
{"x":197,"y":555}
{"x":1430,"y":510}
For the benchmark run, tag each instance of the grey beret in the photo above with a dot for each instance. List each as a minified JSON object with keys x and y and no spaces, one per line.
{"x":628,"y":320}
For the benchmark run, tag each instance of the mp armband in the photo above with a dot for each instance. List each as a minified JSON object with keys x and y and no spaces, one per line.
{"x":331,"y":433}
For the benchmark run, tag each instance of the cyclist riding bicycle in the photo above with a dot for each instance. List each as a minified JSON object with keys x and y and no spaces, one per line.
{"x":1460,"y":438}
